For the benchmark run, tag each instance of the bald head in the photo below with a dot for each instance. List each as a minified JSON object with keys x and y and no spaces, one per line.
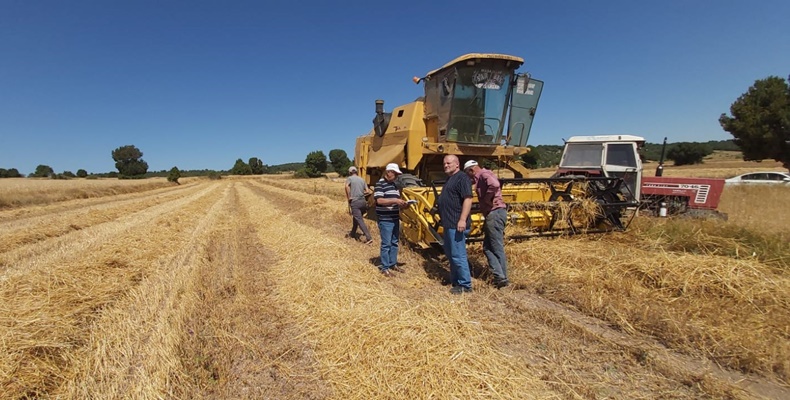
{"x":451,"y":164}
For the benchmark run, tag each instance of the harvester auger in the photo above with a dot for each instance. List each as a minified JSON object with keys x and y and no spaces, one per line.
{"x":478,"y":107}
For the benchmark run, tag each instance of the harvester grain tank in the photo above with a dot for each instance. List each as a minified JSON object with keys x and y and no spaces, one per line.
{"x":478,"y":107}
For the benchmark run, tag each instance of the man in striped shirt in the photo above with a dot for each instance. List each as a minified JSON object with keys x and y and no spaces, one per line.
{"x":388,"y":205}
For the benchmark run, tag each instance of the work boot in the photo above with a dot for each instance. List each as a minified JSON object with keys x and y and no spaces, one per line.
{"x":499,"y":284}
{"x":387,"y":273}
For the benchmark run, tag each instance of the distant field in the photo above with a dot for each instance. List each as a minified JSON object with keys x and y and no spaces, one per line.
{"x":246,"y":287}
{"x":721,"y":164}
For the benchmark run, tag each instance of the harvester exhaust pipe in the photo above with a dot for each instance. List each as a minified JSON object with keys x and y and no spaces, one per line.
{"x":382,"y":120}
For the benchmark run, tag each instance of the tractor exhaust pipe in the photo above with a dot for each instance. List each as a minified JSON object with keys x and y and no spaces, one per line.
{"x":660,"y":167}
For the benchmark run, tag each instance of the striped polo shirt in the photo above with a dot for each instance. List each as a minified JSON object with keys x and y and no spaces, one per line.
{"x":386,"y":190}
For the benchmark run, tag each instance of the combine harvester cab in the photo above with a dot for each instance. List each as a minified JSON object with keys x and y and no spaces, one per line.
{"x":478,"y":107}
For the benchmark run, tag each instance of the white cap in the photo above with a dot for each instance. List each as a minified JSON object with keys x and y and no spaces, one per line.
{"x":469,"y":164}
{"x":393,"y":167}
{"x":352,"y":169}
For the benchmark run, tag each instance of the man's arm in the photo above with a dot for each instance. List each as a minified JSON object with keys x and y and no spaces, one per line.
{"x":466,"y":208}
{"x":389,"y":202}
{"x":348,"y":190}
{"x":382,"y":201}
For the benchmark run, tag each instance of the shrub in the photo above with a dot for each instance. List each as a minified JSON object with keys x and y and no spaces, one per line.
{"x":174,"y":175}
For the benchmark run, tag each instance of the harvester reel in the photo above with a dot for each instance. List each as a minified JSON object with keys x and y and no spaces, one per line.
{"x":561,"y":195}
{"x":607,"y":195}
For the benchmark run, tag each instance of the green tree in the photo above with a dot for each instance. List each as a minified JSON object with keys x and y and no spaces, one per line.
{"x":241,"y":168}
{"x":760,"y":121}
{"x":315,"y":164}
{"x":69,"y":174}
{"x":340,"y":162}
{"x":688,"y":153}
{"x":129,"y":162}
{"x":82,"y":173}
{"x":43,"y":171}
{"x":542,"y":156}
{"x":174,"y":175}
{"x":256,"y":166}
{"x":10,"y":173}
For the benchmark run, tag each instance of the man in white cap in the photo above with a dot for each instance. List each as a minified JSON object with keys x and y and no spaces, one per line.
{"x":388,"y":205}
{"x":494,"y":209}
{"x":356,"y":189}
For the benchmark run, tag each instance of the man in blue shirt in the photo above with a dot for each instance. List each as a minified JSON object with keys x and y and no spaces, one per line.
{"x":388,"y":205}
{"x":455,"y":206}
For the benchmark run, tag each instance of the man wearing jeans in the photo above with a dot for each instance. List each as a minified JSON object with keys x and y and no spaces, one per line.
{"x":455,"y":205}
{"x":493,"y":208}
{"x":388,"y":205}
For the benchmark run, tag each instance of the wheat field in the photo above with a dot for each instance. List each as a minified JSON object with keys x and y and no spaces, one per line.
{"x":248,"y":288}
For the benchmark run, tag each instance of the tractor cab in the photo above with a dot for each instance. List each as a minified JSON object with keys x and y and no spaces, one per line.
{"x":612,"y":156}
{"x":467,"y":101}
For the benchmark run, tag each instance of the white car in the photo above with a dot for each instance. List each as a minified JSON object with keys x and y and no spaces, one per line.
{"x":760,"y":178}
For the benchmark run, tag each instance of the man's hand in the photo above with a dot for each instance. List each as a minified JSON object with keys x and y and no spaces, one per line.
{"x":461,"y":225}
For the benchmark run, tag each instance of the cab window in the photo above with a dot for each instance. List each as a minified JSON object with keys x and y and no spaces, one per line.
{"x":582,"y":155}
{"x":621,"y":154}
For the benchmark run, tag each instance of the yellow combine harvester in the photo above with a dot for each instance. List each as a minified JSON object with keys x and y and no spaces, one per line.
{"x":478,"y":107}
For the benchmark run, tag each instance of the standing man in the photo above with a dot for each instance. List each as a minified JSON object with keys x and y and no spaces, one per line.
{"x":489,"y":197}
{"x":455,"y":205}
{"x":356,"y":189}
{"x":388,"y":205}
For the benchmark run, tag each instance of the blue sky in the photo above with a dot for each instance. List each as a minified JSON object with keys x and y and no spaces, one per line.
{"x":199,"y":84}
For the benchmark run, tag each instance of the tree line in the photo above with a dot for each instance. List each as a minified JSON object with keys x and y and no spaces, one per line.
{"x":130,"y":165}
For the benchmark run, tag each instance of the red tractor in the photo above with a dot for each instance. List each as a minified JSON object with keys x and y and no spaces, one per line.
{"x":618,"y":156}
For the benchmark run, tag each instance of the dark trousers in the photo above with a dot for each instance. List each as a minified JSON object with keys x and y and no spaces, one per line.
{"x":358,"y":208}
{"x":494,"y":243}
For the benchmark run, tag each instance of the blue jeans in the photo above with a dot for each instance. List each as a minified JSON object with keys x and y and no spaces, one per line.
{"x":455,"y":250}
{"x":494,"y":243}
{"x":390,"y":231}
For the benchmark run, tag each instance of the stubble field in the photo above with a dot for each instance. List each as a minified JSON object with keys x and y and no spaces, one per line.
{"x":247,"y":288}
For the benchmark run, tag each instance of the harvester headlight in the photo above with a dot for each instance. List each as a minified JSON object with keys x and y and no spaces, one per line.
{"x":440,"y":148}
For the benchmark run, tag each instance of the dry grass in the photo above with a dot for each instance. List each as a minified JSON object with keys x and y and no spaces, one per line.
{"x":20,"y":192}
{"x":246,"y":288}
{"x":733,"y":311}
{"x":758,"y":208}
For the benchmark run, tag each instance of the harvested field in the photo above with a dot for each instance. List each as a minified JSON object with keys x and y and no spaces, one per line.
{"x":247,"y":288}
